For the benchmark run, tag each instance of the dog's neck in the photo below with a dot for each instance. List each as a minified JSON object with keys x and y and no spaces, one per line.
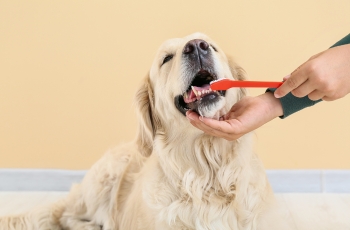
{"x":195,"y":162}
{"x":208,"y":175}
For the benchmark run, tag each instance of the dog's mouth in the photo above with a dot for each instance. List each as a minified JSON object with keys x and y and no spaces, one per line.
{"x":198,"y":92}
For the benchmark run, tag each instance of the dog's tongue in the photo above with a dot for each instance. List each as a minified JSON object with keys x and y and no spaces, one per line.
{"x":192,"y":96}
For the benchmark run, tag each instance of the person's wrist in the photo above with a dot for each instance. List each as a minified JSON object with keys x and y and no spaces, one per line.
{"x":273,"y":103}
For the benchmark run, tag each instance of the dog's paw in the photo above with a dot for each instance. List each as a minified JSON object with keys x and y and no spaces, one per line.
{"x":74,"y":224}
{"x":90,"y":226}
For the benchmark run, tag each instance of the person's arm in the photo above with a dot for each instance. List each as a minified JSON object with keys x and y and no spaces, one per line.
{"x":252,"y":112}
{"x":291,"y":103}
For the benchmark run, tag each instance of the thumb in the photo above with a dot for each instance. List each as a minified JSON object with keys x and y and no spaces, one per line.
{"x":227,"y":116}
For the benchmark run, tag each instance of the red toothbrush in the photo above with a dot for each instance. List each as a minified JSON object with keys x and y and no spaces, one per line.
{"x":224,"y":84}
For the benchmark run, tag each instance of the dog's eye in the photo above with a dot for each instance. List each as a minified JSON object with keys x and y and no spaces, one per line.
{"x":213,"y":48}
{"x":167,"y":58}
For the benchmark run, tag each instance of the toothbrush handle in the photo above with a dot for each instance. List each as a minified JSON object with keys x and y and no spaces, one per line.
{"x":221,"y":85}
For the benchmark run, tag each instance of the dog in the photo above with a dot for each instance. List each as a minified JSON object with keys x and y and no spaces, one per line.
{"x":172,"y":176}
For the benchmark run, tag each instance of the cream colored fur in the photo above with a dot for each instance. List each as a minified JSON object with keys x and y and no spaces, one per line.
{"x":173,"y":176}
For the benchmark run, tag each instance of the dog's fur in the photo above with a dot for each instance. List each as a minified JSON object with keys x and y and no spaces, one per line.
{"x":173,"y":176}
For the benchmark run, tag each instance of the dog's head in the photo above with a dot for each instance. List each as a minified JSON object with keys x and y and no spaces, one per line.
{"x":179,"y":81}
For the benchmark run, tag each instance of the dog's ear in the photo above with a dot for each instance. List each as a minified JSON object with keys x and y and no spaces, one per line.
{"x":239,"y":74}
{"x":148,"y":121}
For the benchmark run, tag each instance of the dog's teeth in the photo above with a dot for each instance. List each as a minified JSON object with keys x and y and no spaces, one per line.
{"x":194,"y":90}
{"x":200,"y":93}
{"x":185,"y":96}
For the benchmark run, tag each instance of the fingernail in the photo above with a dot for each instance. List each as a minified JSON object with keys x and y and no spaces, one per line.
{"x":277,"y":95}
{"x":286,"y":77}
{"x":189,"y":117}
{"x":200,"y":118}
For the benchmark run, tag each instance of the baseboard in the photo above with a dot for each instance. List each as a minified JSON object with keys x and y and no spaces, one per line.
{"x":39,"y":179}
{"x":282,"y":181}
{"x":311,"y":181}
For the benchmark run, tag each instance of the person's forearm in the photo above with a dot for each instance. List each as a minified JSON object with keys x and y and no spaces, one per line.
{"x":274,"y":105}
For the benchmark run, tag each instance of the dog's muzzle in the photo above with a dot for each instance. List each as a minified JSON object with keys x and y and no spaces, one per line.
{"x":198,"y":58}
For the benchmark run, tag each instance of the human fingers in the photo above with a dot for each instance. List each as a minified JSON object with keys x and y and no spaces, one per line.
{"x":212,"y":127}
{"x":316,"y":95}
{"x":331,"y":98}
{"x":295,"y":80}
{"x":229,"y":126}
{"x":230,"y":130}
{"x":304,"y":89}
{"x":196,"y":122}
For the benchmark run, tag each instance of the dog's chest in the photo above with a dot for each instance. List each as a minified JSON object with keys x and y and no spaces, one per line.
{"x":214,"y":210}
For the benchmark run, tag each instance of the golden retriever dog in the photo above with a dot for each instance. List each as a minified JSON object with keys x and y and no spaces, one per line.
{"x":172,"y":176}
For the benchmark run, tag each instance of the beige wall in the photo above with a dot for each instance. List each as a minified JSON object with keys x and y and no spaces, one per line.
{"x":69,"y":70}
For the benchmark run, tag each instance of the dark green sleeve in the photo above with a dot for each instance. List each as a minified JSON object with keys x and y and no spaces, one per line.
{"x":292,"y":104}
{"x":344,"y":41}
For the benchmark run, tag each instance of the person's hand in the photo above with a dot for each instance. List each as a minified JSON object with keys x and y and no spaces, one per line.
{"x":324,"y":76}
{"x":245,"y":116}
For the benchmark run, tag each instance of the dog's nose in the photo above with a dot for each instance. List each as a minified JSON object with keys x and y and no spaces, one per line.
{"x":196,"y":44}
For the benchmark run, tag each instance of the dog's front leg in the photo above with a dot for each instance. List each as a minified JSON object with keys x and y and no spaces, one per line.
{"x":166,"y":226}
{"x":72,"y":223}
{"x":75,"y":214}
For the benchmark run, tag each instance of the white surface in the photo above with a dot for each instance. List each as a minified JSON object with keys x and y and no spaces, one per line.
{"x":39,"y":179}
{"x":312,"y":211}
{"x":296,"y":180}
{"x":282,"y":181}
{"x":20,"y":202}
{"x":318,"y":211}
